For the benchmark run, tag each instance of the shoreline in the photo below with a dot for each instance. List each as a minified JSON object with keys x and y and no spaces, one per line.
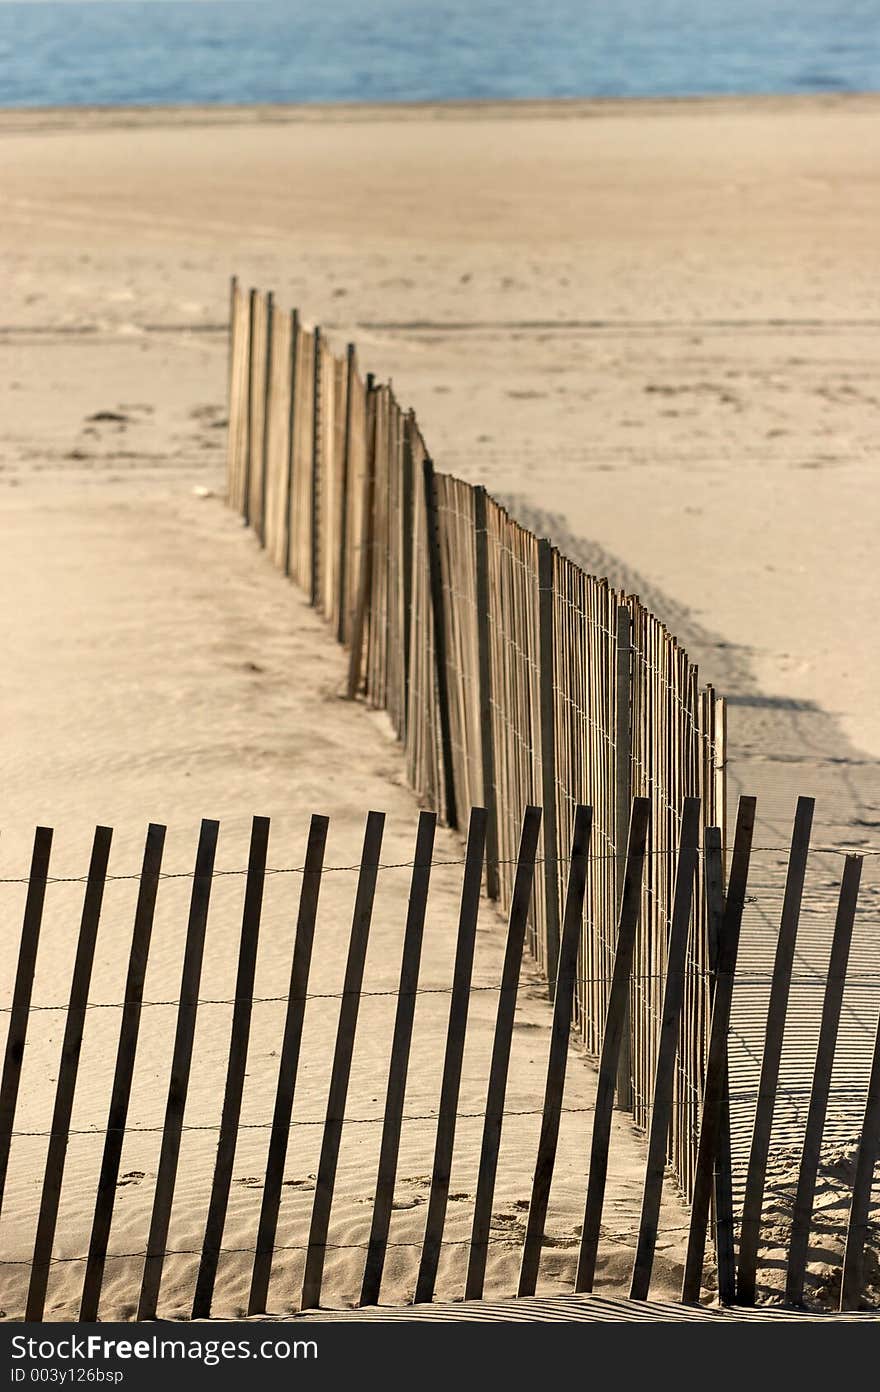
{"x":46,"y":118}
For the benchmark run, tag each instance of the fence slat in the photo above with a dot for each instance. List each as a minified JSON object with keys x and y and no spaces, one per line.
{"x":399,"y":1062}
{"x":249,"y":437}
{"x":484,"y":678}
{"x":563,"y":1002}
{"x":181,"y":1060}
{"x":722,"y":1179}
{"x":123,"y":1074}
{"x":806,"y":1188}
{"x":756,"y":1173}
{"x":852,"y":1282}
{"x":630,"y":904}
{"x":547,"y":700}
{"x":498,"y":1068}
{"x":67,"y":1075}
{"x":714,"y":1090}
{"x":317,"y":427}
{"x":288,"y":1066}
{"x":435,"y":572}
{"x":623,"y":789}
{"x":455,"y":1036}
{"x":235,"y":1072}
{"x":365,"y":577}
{"x":342,"y":1056}
{"x":664,"y":1075}
{"x":16,"y":1036}
{"x":291,"y":435}
{"x":344,"y":485}
{"x":267,"y":407}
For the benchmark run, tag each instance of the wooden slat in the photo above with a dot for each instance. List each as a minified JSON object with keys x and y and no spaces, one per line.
{"x":806,"y":1188}
{"x":563,"y":1002}
{"x":498,"y":1068}
{"x":291,"y":435}
{"x":547,"y":722}
{"x":852,"y":1284}
{"x":249,"y":440}
{"x":437,"y":610}
{"x":623,"y":790}
{"x":235,"y":1072}
{"x":288,"y":1066}
{"x":756,"y":1173}
{"x":722,"y":1179}
{"x":484,"y":677}
{"x":455,"y":1036}
{"x":715,"y":1086}
{"x":16,"y":1036}
{"x":667,"y":1044}
{"x":345,"y":484}
{"x":399,"y":1062}
{"x":365,"y":580}
{"x":67,"y":1074}
{"x":267,"y":408}
{"x":181,"y":1061}
{"x":126,"y":1051}
{"x":317,"y":500}
{"x":630,"y":906}
{"x":342,"y":1056}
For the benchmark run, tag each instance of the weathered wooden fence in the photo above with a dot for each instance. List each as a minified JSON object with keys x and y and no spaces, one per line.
{"x":724,"y":903}
{"x":511,"y":677}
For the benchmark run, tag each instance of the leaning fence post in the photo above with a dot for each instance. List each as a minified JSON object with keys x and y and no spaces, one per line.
{"x":623,"y":799}
{"x":715,"y":1086}
{"x":291,"y":434}
{"x":316,"y":470}
{"x":249,"y":443}
{"x":68,"y":1070}
{"x":267,"y":407}
{"x":341,"y":623}
{"x":437,"y":611}
{"x":713,"y":858}
{"x":365,"y":577}
{"x":798,"y":1248}
{"x":866,"y":1158}
{"x":547,"y":685}
{"x":484,"y":677}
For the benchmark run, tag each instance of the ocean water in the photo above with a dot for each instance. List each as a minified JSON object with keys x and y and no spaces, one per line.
{"x":134,"y":52}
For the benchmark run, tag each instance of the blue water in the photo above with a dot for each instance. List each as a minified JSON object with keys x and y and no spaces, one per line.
{"x":64,"y":52}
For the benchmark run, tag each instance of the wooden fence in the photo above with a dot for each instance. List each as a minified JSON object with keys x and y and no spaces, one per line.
{"x":736,"y":1269}
{"x":511,"y":677}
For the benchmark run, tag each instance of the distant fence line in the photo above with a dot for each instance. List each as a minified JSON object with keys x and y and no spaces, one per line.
{"x":511,"y":677}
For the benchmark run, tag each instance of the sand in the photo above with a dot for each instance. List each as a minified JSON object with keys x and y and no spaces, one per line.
{"x":647,"y":325}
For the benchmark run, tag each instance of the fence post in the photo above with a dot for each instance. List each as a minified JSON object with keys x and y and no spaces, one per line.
{"x":249,"y":443}
{"x":342,"y":1056}
{"x":547,"y":697}
{"x":756,"y":1172}
{"x":316,"y":469}
{"x":866,"y":1158}
{"x":267,"y":406}
{"x":437,"y":611}
{"x":630,"y":907}
{"x":178,"y":1082}
{"x":500,"y":1064}
{"x":365,"y":578}
{"x":291,"y":434}
{"x":622,"y":801}
{"x":68,"y":1070}
{"x":343,"y":517}
{"x":484,"y":676}
{"x":230,"y":347}
{"x":563,"y":1002}
{"x":450,"y":1085}
{"x":123,"y":1075}
{"x":798,"y":1248}
{"x":407,"y":537}
{"x":715,"y":1086}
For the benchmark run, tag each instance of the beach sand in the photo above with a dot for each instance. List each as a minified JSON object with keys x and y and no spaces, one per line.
{"x":649,"y":327}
